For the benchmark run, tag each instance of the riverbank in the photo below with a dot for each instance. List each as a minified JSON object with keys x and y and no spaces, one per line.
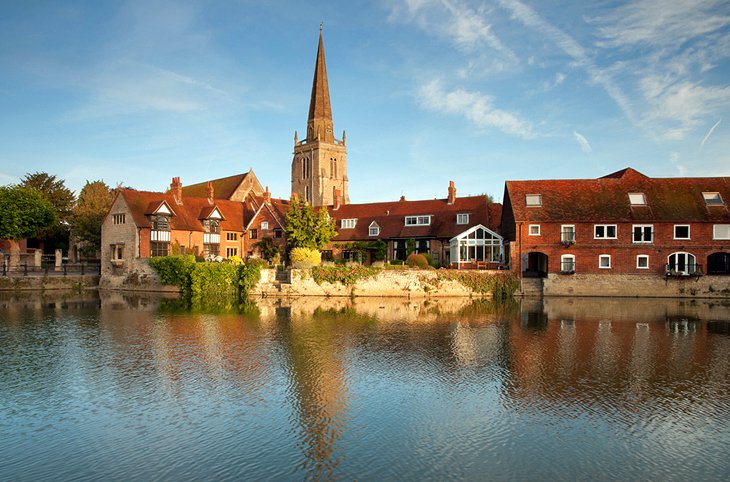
{"x":48,"y":282}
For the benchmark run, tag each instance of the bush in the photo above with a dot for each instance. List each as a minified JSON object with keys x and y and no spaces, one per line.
{"x":174,"y":270}
{"x":396,"y":262}
{"x":378,"y":264}
{"x":417,"y":261}
{"x":305,"y":258}
{"x":347,"y":275}
{"x":258,"y":262}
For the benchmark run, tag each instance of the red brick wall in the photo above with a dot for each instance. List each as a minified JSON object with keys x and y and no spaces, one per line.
{"x":263,"y":216}
{"x":622,"y":250}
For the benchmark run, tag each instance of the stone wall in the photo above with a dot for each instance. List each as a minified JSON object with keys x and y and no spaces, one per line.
{"x":51,"y":282}
{"x":387,"y":283}
{"x":628,"y":285}
{"x":139,"y":276}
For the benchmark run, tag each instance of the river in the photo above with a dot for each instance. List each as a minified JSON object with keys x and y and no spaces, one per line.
{"x":129,"y":387}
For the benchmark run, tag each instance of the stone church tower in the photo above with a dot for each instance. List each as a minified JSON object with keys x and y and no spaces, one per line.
{"x":319,"y":167}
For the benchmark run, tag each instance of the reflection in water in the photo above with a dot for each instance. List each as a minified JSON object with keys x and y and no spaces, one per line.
{"x":129,"y":386}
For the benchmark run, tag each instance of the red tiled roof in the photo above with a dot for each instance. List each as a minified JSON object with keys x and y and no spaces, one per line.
{"x":390,"y":216}
{"x":223,"y":188}
{"x":606,"y":199}
{"x":279,"y":208}
{"x":187,"y":216}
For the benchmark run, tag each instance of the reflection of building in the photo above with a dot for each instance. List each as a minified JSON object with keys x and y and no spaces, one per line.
{"x":622,"y":223}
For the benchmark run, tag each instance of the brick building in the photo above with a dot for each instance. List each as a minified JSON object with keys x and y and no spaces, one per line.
{"x":455,"y":231}
{"x":622,"y":223}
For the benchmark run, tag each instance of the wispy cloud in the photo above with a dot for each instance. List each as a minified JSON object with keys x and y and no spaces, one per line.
{"x":709,"y":133}
{"x":584,"y":144}
{"x":474,"y":106}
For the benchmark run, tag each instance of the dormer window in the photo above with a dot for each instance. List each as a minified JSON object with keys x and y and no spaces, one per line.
{"x":348,"y":223}
{"x":462,"y":218}
{"x":373,"y":229}
{"x":418,"y":220}
{"x":637,"y":199}
{"x":713,"y":198}
{"x":533,"y":200}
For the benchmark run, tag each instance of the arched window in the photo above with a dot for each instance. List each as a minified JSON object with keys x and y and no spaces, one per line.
{"x":307,"y":194}
{"x":333,"y":167}
{"x":682,"y":263}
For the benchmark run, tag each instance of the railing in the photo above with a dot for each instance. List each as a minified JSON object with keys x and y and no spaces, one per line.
{"x":24,"y":269}
{"x":689,"y":270}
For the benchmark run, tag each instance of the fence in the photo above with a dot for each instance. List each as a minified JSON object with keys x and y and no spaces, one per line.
{"x":91,"y":268}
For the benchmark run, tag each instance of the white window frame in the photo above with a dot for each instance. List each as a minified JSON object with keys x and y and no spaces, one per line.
{"x":119,"y":218}
{"x":374,"y":229}
{"x":713,"y":199}
{"x":462,"y":218}
{"x":264,"y":225}
{"x":563,"y":228}
{"x":533,"y":200}
{"x":637,"y":199}
{"x":418,"y":220}
{"x":563,"y":258}
{"x":348,"y":223}
{"x":689,"y":233}
{"x":643,"y":241}
{"x":716,"y":232}
{"x":605,"y":231}
{"x":640,"y":257}
{"x":529,"y":230}
{"x":601,"y":257}
{"x":687,"y":257}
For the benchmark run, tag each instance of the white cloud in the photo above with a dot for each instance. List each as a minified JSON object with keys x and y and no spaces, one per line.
{"x":474,"y":106}
{"x":709,"y":133}
{"x":584,"y":144}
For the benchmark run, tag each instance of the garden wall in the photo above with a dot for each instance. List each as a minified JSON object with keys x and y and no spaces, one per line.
{"x":50,"y":282}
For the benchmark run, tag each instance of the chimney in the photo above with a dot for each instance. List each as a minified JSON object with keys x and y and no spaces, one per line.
{"x":337,"y":201}
{"x":176,"y":189}
{"x":267,"y":195}
{"x":210,"y":192}
{"x":402,"y":198}
{"x":452,"y":193}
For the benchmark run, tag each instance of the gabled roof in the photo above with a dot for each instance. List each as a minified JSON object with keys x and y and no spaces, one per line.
{"x":390,"y":216}
{"x":277,"y":207}
{"x":187,"y":216}
{"x":223,"y":188}
{"x":607,"y":199}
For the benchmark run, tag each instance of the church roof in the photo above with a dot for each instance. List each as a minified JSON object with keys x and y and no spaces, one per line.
{"x":320,"y":111}
{"x":223,"y":188}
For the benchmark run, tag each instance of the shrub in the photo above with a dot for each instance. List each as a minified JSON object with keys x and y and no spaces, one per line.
{"x":258,"y":262}
{"x":396,"y":262}
{"x":305,"y":258}
{"x":174,"y":270}
{"x":378,"y":264}
{"x":417,"y":261}
{"x":347,"y":275}
{"x":501,"y":285}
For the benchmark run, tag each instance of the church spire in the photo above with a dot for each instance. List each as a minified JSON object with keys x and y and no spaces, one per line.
{"x":319,"y":124}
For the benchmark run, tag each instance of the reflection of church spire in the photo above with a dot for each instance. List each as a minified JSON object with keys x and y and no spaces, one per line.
{"x":317,"y":390}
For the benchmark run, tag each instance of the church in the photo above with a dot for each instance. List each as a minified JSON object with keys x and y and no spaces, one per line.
{"x":230,"y":216}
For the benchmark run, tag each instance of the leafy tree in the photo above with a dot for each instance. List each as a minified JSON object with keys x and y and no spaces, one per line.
{"x":61,"y":198}
{"x":267,"y":248}
{"x":94,"y":202}
{"x":307,"y":229}
{"x":23,"y":212}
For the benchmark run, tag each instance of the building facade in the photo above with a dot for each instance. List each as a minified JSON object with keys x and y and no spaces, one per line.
{"x":622,"y":223}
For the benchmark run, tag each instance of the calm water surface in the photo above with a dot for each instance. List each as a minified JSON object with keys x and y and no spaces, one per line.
{"x":139,"y":388}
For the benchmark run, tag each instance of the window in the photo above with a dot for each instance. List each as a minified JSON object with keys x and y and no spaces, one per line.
{"x":642,"y":261}
{"x":231,"y":252}
{"x":637,"y":199}
{"x":681,"y":231}
{"x":713,"y":198}
{"x":119,"y":218}
{"x":643,"y":233}
{"x":327,"y":255}
{"x":721,"y":231}
{"x":307,"y":195}
{"x":604,"y":261}
{"x":348,"y":223}
{"x":253,"y":234}
{"x":418,"y":220}
{"x":117,"y":252}
{"x":462,"y":218}
{"x":278,"y":233}
{"x":532,"y":200}
{"x":682,"y":263}
{"x":231,"y":236}
{"x":567,"y":233}
{"x":373,"y":229}
{"x":567,"y":263}
{"x":264,"y":225}
{"x":604,"y":231}
{"x":534,"y":230}
{"x":158,"y":248}
{"x":211,"y":236}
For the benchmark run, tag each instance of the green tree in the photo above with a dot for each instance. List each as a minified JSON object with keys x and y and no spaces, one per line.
{"x":307,"y":229}
{"x":94,"y":202}
{"x":23,"y":212}
{"x":267,"y":248}
{"x":61,"y":198}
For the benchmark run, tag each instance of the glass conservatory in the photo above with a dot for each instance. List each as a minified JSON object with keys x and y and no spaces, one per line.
{"x":476,"y":246}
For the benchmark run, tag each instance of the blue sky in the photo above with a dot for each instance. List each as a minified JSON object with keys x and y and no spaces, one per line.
{"x":428,"y":90}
